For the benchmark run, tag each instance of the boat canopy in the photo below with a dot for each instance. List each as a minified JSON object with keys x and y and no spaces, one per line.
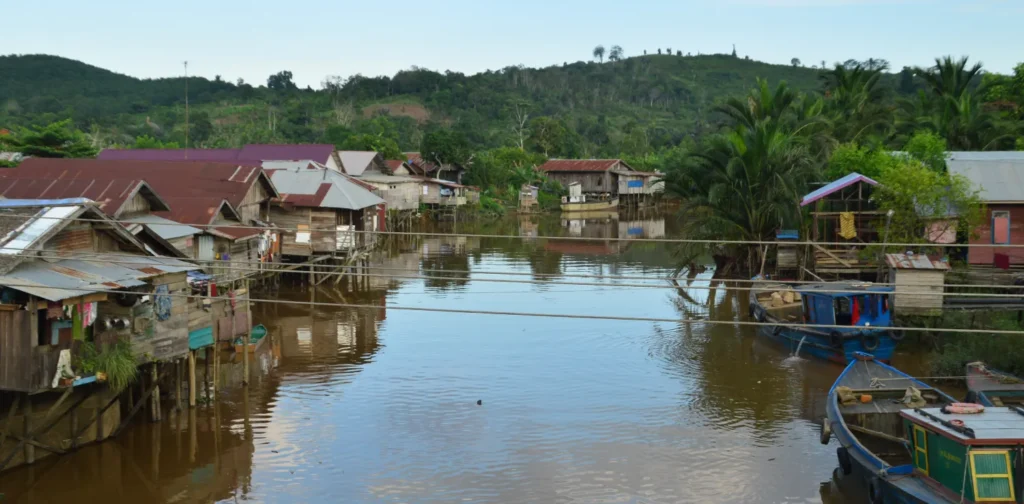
{"x":847,"y":304}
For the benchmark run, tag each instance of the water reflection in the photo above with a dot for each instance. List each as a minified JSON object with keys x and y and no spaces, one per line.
{"x":379,"y":405}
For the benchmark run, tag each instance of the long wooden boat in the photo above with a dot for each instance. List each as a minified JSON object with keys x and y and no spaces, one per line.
{"x":992,"y":387}
{"x":591,"y":206}
{"x":872,"y":435}
{"x":861,"y":310}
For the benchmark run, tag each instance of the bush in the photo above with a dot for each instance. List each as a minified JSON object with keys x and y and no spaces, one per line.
{"x":999,"y":351}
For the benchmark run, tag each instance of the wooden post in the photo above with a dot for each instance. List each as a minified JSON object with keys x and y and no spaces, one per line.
{"x":30,"y":451}
{"x":216,"y":338}
{"x":206,"y":373}
{"x":192,"y":378}
{"x":177,"y":385}
{"x":33,"y":320}
{"x":248,"y":341}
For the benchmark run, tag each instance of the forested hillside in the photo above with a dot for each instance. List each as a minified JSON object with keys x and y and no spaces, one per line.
{"x":629,"y":106}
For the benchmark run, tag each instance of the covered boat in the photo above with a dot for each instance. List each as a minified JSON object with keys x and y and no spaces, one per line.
{"x":863,"y":413}
{"x":991,"y":387}
{"x":861,"y":310}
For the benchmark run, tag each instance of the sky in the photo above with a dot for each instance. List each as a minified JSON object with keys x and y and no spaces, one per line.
{"x":316,"y":38}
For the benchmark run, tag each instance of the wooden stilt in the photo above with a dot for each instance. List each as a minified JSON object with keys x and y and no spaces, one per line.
{"x":192,"y":378}
{"x":30,"y":451}
{"x":177,"y":385}
{"x":248,"y":340}
{"x":215,"y":353}
{"x":193,"y":436}
{"x":73,"y":428}
{"x":206,"y":373}
{"x":10,"y":418}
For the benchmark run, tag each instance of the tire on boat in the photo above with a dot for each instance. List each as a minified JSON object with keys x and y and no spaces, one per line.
{"x":836,"y":339}
{"x":875,"y":491}
{"x":869,"y":341}
{"x":845,"y":464}
{"x":826,"y":432}
{"x":897,"y":334}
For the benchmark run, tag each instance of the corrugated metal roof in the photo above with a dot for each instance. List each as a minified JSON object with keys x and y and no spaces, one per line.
{"x":998,"y":175}
{"x":837,"y":185}
{"x":356,"y":162}
{"x":35,"y":228}
{"x":394,"y":164}
{"x":388,"y":179}
{"x":915,"y":262}
{"x":85,"y":274}
{"x":164,"y":228}
{"x":108,"y":191}
{"x":322,"y":188}
{"x":262,"y":152}
{"x":249,"y":153}
{"x":581,"y":165}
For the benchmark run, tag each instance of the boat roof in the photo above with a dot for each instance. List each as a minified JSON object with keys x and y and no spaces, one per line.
{"x":992,"y":426}
{"x":846,"y":287}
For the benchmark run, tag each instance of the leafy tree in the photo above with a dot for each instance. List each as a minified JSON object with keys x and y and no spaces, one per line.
{"x":929,"y":149}
{"x":55,"y":140}
{"x":387,"y":147}
{"x":281,"y":81}
{"x":795,"y":62}
{"x":850,"y":157}
{"x":615,"y":54}
{"x":599,"y":53}
{"x":200,"y":128}
{"x":659,"y":50}
{"x":446,"y":146}
{"x":148,"y":142}
{"x":679,"y":53}
{"x":547,"y":135}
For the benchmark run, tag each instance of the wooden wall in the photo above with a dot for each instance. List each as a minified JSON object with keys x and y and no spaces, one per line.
{"x":324,"y":223}
{"x":986,"y":255}
{"x":252,"y":203}
{"x":911,"y":286}
{"x":138,"y":205}
{"x":24,"y":366}
{"x":591,"y":182}
{"x":288,"y":221}
{"x":151,"y":337}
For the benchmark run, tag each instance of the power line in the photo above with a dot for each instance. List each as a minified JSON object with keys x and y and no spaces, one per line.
{"x":518,"y":237}
{"x":559,"y":315}
{"x":777,"y":285}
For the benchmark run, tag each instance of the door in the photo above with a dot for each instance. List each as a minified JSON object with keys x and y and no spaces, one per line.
{"x":205,"y":247}
{"x":921,"y":449}
{"x":1001,"y":228}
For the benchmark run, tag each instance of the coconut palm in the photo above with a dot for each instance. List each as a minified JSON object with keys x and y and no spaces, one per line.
{"x":951,"y":78}
{"x":857,"y":104}
{"x":599,"y":53}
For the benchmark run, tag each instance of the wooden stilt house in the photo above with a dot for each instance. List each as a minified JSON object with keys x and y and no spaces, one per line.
{"x":845,"y":221}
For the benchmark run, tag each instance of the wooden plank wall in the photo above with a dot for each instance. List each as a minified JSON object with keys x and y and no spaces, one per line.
{"x":135,"y":206}
{"x":325,"y":222}
{"x":289,"y":220}
{"x":911,"y":286}
{"x":15,"y":350}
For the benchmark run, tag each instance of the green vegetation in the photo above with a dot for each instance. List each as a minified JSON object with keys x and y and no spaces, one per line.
{"x":116,"y":360}
{"x":57,"y":140}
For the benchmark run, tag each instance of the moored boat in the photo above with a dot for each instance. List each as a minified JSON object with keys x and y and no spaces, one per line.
{"x":591,"y":205}
{"x":991,"y":387}
{"x":861,"y":310}
{"x":863,"y":412}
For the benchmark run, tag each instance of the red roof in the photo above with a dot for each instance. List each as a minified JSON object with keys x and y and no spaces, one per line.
{"x":252,"y":153}
{"x":577,"y":165}
{"x":110,"y":193}
{"x":170,"y":179}
{"x":394,"y":164}
{"x":198,"y":211}
{"x":237,"y":233}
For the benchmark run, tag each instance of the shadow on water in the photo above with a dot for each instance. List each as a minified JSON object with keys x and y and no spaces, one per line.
{"x":381,"y":405}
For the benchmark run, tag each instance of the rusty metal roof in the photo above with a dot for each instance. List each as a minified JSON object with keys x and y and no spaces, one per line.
{"x":250,"y":153}
{"x":915,"y":262}
{"x":86,"y":274}
{"x":108,"y":192}
{"x":582,"y":165}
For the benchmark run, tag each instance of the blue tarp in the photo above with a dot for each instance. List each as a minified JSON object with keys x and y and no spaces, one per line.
{"x":635,"y":183}
{"x":200,"y":338}
{"x":787,"y":234}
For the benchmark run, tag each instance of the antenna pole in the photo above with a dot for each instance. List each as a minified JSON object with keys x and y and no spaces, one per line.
{"x":186,"y":110}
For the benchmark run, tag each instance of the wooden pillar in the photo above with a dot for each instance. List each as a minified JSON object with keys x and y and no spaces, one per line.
{"x":216,"y":339}
{"x":30,"y":451}
{"x":248,"y":341}
{"x":154,"y":399}
{"x":192,"y":378}
{"x":177,"y":385}
{"x":33,"y":321}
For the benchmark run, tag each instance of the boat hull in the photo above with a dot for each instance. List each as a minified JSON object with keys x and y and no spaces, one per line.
{"x":820,"y":346}
{"x":591,"y":206}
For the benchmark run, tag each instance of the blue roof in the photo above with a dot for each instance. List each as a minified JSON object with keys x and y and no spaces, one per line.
{"x":832,"y":187}
{"x":16,"y":203}
{"x":842,"y":289}
{"x":787,"y":234}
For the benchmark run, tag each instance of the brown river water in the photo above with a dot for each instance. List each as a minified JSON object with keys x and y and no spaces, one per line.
{"x":380,"y":405}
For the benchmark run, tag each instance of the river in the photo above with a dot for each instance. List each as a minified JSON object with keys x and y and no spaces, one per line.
{"x":391,"y":405}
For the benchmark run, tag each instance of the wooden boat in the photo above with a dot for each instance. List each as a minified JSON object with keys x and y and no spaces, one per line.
{"x":991,"y":387}
{"x":258,"y":333}
{"x":862,"y":309}
{"x":591,"y":206}
{"x":873,"y":436}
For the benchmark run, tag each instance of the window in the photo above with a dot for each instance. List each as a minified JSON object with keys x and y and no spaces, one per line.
{"x":990,"y":470}
{"x":302,"y":233}
{"x":1001,"y":228}
{"x":844,"y":311}
{"x":921,"y":448}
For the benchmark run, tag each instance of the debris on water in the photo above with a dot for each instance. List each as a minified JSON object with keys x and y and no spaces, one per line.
{"x":771,"y":459}
{"x":479,"y":402}
{"x":274,"y":451}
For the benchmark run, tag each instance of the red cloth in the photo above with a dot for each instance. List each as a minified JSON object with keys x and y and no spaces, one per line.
{"x":1001,"y":261}
{"x":856,"y":312}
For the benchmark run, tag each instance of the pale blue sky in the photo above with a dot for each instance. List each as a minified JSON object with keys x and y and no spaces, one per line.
{"x":314,"y":38}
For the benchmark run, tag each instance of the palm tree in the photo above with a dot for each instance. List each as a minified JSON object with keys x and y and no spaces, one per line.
{"x":857,"y":104}
{"x":951,"y":78}
{"x":599,"y":53}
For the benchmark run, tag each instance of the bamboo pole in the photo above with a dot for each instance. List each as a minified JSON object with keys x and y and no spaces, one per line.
{"x":192,"y":378}
{"x":216,"y":337}
{"x":30,"y":451}
{"x":177,"y":385}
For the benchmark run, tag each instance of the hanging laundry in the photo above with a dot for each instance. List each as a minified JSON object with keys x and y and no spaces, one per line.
{"x":847,"y":225}
{"x":88,"y":314}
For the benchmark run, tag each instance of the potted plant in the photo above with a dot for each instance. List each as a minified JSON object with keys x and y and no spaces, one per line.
{"x":115,"y":365}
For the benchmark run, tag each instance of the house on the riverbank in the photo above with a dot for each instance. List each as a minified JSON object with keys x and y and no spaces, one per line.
{"x":227,"y":201}
{"x":324,"y":213}
{"x":999,"y":176}
{"x":71,"y":275}
{"x":251,"y":154}
{"x":844,"y":221}
{"x":357,"y":163}
{"x":611,"y":178}
{"x":424,"y":167}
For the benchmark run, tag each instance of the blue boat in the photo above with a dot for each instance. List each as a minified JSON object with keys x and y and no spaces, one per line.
{"x":991,"y":387}
{"x":862,"y":310}
{"x":906,"y":442}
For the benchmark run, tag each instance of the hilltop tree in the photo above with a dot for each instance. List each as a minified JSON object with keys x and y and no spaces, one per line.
{"x":599,"y":53}
{"x":616,"y":53}
{"x":795,"y":62}
{"x":55,"y":140}
{"x":281,"y":81}
{"x":679,"y":53}
{"x":951,"y":106}
{"x":659,"y":50}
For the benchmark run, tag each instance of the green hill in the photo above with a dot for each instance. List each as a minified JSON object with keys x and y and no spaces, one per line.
{"x":657,"y":100}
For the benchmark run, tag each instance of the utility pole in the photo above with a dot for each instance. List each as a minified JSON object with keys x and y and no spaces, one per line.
{"x":186,"y":109}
